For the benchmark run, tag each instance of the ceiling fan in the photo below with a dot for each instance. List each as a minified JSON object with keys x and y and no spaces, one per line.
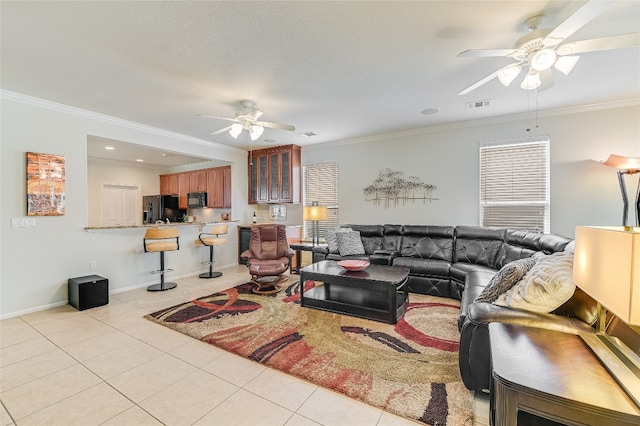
{"x":247,"y":119}
{"x":542,"y":49}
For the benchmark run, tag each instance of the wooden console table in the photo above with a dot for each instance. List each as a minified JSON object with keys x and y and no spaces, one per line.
{"x":545,"y":374}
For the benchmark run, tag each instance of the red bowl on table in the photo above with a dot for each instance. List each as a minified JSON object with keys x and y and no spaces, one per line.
{"x":353,"y":265}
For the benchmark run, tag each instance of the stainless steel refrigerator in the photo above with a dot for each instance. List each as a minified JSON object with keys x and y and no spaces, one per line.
{"x":160,"y":208}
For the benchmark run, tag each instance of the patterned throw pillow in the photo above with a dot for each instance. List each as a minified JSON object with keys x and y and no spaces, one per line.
{"x":330,"y":236}
{"x":546,"y":286}
{"x":506,"y":278}
{"x":349,"y":243}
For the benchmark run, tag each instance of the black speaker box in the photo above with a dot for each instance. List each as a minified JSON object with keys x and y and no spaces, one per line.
{"x":88,"y":292}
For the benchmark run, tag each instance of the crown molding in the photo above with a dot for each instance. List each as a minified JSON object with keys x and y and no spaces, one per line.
{"x":475,"y":123}
{"x":83,"y":113}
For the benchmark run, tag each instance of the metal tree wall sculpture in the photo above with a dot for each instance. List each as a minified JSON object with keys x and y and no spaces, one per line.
{"x":391,"y":188}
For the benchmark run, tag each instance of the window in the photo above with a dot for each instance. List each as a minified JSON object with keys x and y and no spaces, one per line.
{"x":320,"y":183}
{"x":514,"y":185}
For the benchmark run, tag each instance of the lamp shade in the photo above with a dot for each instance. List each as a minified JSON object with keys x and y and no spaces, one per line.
{"x":606,"y":266}
{"x":315,"y":213}
{"x":623,"y":163}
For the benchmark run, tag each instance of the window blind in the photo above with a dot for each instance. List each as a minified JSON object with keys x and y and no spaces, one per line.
{"x":514,"y":185}
{"x":321,"y":185}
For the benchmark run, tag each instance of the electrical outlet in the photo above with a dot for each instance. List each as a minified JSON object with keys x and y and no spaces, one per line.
{"x":93,"y":264}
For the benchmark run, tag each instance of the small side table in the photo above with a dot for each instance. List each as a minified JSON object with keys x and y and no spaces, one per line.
{"x":298,"y":248}
{"x":552,"y":376}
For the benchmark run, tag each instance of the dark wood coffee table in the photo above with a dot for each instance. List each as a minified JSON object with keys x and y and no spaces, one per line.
{"x":377,"y":292}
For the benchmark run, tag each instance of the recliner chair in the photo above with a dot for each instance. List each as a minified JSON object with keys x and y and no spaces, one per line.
{"x":268,"y":257}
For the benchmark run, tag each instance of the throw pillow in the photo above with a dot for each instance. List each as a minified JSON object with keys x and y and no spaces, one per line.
{"x":571,"y":247}
{"x":506,"y":278}
{"x":349,"y":243}
{"x":330,"y":236}
{"x":545,"y":287}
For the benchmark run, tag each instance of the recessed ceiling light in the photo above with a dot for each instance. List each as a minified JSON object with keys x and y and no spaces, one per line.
{"x":110,"y":148}
{"x":307,"y":134}
{"x":430,"y":111}
{"x":139,"y":160}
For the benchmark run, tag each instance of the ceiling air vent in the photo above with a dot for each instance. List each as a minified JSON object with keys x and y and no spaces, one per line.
{"x":478,"y":104}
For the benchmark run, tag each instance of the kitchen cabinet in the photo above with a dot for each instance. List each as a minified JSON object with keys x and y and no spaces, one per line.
{"x":183,"y":190}
{"x":198,"y":181}
{"x":216,"y":182}
{"x":218,"y":186}
{"x":275,"y":175}
{"x":169,"y":184}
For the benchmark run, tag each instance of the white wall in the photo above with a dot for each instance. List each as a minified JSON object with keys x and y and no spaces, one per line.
{"x":582,"y":190}
{"x":37,"y":262}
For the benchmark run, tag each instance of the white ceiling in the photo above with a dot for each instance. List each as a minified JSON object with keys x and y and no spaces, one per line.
{"x":342,"y":70}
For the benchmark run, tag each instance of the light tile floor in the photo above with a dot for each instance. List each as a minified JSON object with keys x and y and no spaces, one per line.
{"x":110,"y":366}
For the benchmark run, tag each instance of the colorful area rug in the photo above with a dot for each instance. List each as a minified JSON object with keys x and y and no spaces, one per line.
{"x":410,"y":368}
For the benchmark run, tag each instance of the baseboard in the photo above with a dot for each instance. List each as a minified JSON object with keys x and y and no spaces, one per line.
{"x":119,"y":290}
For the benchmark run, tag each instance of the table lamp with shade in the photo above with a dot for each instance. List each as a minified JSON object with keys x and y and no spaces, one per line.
{"x":315,"y":213}
{"x":606,"y":266}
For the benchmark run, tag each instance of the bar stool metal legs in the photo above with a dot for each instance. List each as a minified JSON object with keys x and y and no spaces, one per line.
{"x":211,"y":239}
{"x":161,"y":240}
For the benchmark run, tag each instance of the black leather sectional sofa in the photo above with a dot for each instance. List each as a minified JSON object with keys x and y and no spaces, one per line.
{"x":458,"y":262}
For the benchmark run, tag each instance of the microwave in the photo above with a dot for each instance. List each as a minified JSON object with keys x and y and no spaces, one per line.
{"x":196,"y":200}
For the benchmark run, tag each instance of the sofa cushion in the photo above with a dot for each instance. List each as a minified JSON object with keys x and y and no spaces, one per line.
{"x":479,"y":245}
{"x":349,"y":243}
{"x":424,"y":267}
{"x":427,"y":242}
{"x":459,"y":271}
{"x":506,"y":278}
{"x":545,"y":287}
{"x":330,"y":236}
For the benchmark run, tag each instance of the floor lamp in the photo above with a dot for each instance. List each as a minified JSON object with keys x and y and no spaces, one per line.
{"x":626,"y":166}
{"x":315,"y":213}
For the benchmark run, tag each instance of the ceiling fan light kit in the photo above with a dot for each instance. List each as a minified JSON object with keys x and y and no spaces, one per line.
{"x":508,"y":74}
{"x":542,"y":49}
{"x":247,"y":119}
{"x":542,"y":59}
{"x":531,"y":81}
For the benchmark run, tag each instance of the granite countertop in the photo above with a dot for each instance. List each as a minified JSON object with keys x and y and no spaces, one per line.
{"x":152,"y":225}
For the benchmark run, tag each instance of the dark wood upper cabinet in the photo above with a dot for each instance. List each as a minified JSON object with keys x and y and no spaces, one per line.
{"x":198,"y":181}
{"x":219,"y":187}
{"x":183,"y":190}
{"x":275,"y":175}
{"x":169,"y":184}
{"x":216,"y":182}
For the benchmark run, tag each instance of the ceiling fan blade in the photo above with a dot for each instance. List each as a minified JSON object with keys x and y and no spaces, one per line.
{"x":596,"y":44}
{"x":483,"y":53}
{"x":218,"y":118}
{"x":487,"y":79}
{"x":223,"y":130}
{"x":276,"y":125}
{"x":254,"y":114}
{"x":577,"y":20}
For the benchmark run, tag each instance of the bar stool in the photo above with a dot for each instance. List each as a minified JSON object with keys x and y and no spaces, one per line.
{"x":211,"y":239}
{"x":161,"y":240}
